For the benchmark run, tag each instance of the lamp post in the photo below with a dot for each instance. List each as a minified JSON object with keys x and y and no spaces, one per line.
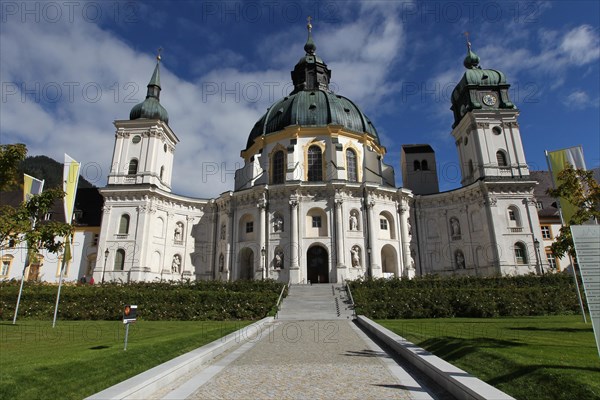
{"x":263,"y":252}
{"x":536,"y":243}
{"x":106,"y":253}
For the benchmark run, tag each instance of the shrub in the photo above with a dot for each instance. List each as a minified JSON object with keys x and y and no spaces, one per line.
{"x":204,"y":300}
{"x":437,"y":297}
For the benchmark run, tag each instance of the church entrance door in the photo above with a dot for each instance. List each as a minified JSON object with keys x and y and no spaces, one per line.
{"x":317,"y":265}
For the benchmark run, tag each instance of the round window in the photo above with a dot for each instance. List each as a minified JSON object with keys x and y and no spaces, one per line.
{"x":136,"y":139}
{"x":497,"y":130}
{"x":165,"y":147}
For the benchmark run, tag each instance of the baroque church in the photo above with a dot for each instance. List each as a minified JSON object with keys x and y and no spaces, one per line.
{"x":314,"y":200}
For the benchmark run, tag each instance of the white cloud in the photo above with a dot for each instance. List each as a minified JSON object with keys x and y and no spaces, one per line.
{"x":581,"y":45}
{"x":579,"y":99}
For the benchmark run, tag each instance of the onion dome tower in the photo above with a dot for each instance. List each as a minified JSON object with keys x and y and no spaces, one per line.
{"x":145,"y":144}
{"x":485,"y":125}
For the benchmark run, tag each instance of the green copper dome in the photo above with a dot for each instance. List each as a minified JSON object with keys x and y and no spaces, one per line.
{"x":312,"y":103}
{"x":151,"y":108}
{"x":313,"y":108}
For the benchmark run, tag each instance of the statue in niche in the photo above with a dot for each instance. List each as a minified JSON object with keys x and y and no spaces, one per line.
{"x":353,"y":221}
{"x":278,"y":224}
{"x":178,"y":232}
{"x":278,"y":261}
{"x":455,"y":227}
{"x":221,"y":263}
{"x":176,"y":264}
{"x":355,"y":251}
{"x":460,"y":260}
{"x":223,"y":231}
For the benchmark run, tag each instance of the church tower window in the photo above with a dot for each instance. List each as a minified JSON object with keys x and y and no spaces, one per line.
{"x":520,"y":253}
{"x":501,"y":159}
{"x":351,"y":168}
{"x":120,"y":260}
{"x":424,"y":165}
{"x":416,"y":165}
{"x":124,"y":224}
{"x":277,"y":168}
{"x":315,"y":164}
{"x":133,"y":167}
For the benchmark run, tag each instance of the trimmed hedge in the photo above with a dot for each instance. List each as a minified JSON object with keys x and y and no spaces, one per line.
{"x":442,"y":297}
{"x":242,"y":300}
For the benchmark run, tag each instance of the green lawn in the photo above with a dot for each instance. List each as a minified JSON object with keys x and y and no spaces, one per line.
{"x":551,"y":357}
{"x":79,"y":358}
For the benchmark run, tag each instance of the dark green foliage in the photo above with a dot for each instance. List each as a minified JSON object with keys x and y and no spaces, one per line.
{"x":243,"y":300}
{"x":437,"y":297}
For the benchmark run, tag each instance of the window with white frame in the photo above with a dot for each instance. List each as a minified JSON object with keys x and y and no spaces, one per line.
{"x":520,"y":253}
{"x":383,"y":224}
{"x":546,"y":234}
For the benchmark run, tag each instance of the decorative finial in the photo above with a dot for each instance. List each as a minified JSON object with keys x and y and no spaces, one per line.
{"x":310,"y":46}
{"x":468,"y":43}
{"x":158,"y":57}
{"x":471,"y":60}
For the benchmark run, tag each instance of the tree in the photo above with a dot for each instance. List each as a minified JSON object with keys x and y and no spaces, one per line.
{"x":16,"y":222}
{"x":11,"y":156}
{"x":581,"y":189}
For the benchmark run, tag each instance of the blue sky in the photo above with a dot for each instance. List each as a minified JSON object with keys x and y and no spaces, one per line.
{"x":69,"y":69}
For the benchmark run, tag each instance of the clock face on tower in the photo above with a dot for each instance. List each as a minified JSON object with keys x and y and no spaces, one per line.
{"x":489,"y":100}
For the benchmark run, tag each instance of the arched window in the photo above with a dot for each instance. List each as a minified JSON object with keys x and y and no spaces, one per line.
{"x":124,"y":225}
{"x":416,"y":165}
{"x":501,"y":159}
{"x":514,"y":217}
{"x":120,"y":260}
{"x":520,"y":253}
{"x":133,"y":167}
{"x":424,"y":165}
{"x":315,"y":164}
{"x":278,"y":173}
{"x":351,"y":165}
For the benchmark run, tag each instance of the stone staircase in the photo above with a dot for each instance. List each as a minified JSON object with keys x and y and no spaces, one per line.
{"x":323,"y":301}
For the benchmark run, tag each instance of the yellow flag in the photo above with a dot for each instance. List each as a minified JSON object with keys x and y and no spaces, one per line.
{"x":67,"y":254}
{"x":558,"y":160}
{"x":70,"y":181}
{"x":31,"y":186}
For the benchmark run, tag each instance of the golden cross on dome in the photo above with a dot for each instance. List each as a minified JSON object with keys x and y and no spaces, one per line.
{"x":468,"y":43}
{"x":158,"y":57}
{"x":309,"y":25}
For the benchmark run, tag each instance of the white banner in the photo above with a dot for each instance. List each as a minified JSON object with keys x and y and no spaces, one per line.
{"x":586,"y":239}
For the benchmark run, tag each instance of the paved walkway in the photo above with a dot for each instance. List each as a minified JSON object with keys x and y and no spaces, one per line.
{"x":296,"y":358}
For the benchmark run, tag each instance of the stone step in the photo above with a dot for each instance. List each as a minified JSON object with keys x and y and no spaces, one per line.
{"x":315,"y":302}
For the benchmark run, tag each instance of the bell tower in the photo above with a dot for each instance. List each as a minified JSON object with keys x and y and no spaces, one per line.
{"x":485,"y":129}
{"x":145,"y":144}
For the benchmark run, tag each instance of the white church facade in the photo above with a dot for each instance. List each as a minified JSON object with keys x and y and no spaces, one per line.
{"x":314,"y":200}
